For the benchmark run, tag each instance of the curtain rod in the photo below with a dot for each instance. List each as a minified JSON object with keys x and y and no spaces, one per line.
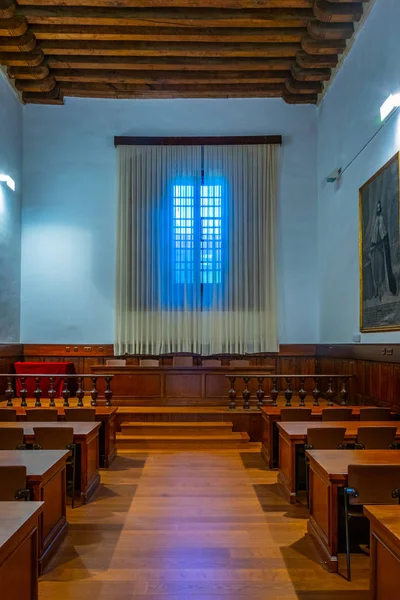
{"x":197,"y":141}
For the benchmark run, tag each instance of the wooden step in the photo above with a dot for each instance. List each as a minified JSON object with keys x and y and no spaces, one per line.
{"x":183,"y":442}
{"x":177,"y":428}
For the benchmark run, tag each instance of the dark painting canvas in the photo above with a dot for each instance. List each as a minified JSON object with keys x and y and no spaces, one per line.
{"x":380,"y":250}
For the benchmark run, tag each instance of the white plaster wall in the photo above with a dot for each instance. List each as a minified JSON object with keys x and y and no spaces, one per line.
{"x":10,"y":213}
{"x":347,"y":119}
{"x":69,"y":209}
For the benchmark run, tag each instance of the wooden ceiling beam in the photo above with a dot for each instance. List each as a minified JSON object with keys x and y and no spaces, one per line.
{"x":167,"y":34}
{"x":21,"y":43}
{"x":53,"y":97}
{"x":191,"y":87}
{"x":306,"y":87}
{"x":174,"y":48}
{"x":330,"y":31}
{"x":151,"y":95}
{"x":13,"y":27}
{"x":308,"y":61}
{"x":167,"y":49}
{"x":169,"y":64}
{"x":299,"y":98}
{"x":219,"y":4}
{"x":7,"y":9}
{"x":63,"y":15}
{"x":339,"y":12}
{"x":28,"y":72}
{"x":36,"y":85}
{"x":171,"y":91}
{"x":309,"y":74}
{"x":22,"y":59}
{"x":171,"y":77}
{"x":322,"y":46}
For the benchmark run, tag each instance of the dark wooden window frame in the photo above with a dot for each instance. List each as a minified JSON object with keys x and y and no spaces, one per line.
{"x":197,"y":141}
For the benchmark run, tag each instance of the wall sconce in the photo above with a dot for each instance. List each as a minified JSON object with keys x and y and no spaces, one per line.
{"x":389,"y":106}
{"x":8,"y":180}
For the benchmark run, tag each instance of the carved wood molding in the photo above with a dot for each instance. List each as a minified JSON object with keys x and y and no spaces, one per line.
{"x":14,"y":350}
{"x":382,"y":353}
{"x":14,"y":26}
{"x":7,"y":9}
{"x":327,"y":32}
{"x":87,"y":48}
{"x":18,"y":49}
{"x":107,"y":350}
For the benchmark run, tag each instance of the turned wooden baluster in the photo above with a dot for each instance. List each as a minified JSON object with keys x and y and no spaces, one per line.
{"x":316,"y":391}
{"x":52,"y":392}
{"x":80,"y":392}
{"x":302,"y":392}
{"x":94,"y":392}
{"x":23,"y":392}
{"x":232,"y":393}
{"x":274,"y":391}
{"x":344,"y":394}
{"x":9,"y":392}
{"x":66,"y":393}
{"x":108,"y":393}
{"x":288,"y":392}
{"x":246,"y":394}
{"x":38,"y":392}
{"x":329,"y":392}
{"x":260,"y":392}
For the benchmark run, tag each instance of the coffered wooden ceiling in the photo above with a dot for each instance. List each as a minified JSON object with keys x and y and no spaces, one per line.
{"x":174,"y":48}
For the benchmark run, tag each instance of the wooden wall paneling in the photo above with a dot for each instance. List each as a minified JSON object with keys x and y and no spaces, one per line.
{"x":9,"y":354}
{"x":360,"y":381}
{"x":85,"y":357}
{"x":184,"y":386}
{"x":372,"y":382}
{"x":295,"y":365}
{"x":385,"y":395}
{"x":376,"y":368}
{"x":396,"y":387}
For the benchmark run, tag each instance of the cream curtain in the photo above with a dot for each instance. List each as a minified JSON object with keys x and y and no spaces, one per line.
{"x":196,"y":249}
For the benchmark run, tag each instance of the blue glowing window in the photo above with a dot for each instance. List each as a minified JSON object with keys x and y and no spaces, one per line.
{"x":184,"y":233}
{"x":211,"y":233}
{"x":198,"y":233}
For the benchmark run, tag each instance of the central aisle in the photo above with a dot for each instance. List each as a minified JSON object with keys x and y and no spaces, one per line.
{"x":202,"y":525}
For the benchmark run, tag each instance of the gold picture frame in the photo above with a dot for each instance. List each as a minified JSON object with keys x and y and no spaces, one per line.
{"x":379,"y":249}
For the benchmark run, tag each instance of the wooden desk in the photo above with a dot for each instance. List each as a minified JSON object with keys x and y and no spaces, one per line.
{"x":293,"y":435}
{"x":385,"y":551}
{"x":86,"y":436}
{"x":272,"y":414}
{"x":328,"y":473}
{"x":46,"y":480}
{"x":18,"y":550}
{"x":107,"y":433}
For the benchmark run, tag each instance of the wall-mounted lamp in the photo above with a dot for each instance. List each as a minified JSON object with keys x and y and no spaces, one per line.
{"x":8,"y":180}
{"x":334,"y":176}
{"x":390,"y":105}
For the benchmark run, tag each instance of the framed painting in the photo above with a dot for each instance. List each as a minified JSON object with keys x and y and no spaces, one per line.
{"x":380,"y":249}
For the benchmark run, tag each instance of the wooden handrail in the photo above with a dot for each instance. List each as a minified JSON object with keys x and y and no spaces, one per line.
{"x":66,"y":392}
{"x":63,"y":375}
{"x":298,"y":375}
{"x":288,"y":393}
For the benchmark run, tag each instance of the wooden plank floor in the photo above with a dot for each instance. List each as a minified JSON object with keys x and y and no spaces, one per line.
{"x":201,"y":525}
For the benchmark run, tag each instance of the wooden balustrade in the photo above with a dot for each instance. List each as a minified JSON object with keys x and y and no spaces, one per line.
{"x":328,"y":383}
{"x":80,"y":393}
